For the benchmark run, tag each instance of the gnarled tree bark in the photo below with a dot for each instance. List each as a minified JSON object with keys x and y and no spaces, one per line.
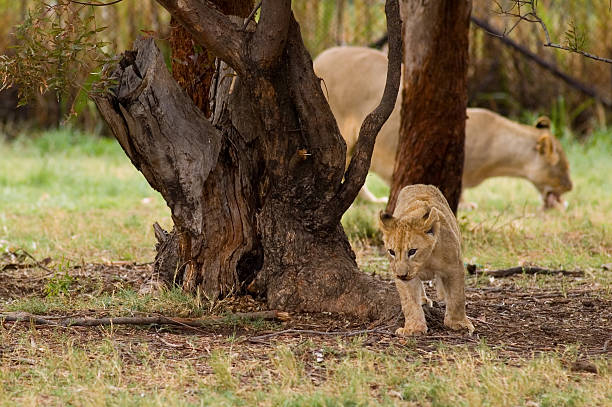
{"x":257,"y":192}
{"x":432,"y":129}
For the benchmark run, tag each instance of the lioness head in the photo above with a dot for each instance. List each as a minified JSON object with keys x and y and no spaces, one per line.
{"x":410,"y":239}
{"x":550,"y":169}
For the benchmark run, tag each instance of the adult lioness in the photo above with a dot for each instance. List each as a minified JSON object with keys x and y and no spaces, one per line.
{"x":424,"y":243}
{"x":353,"y":81}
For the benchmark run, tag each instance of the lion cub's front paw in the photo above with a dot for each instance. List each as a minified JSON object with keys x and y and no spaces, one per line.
{"x":461,"y":324}
{"x":411,"y":330}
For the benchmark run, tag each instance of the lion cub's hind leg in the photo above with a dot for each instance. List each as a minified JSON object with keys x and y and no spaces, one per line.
{"x":412,"y":296}
{"x":424,"y":298}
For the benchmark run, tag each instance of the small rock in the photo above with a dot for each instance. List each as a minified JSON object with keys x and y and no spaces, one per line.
{"x":318,"y":355}
{"x":607,"y":266}
{"x":396,"y":394}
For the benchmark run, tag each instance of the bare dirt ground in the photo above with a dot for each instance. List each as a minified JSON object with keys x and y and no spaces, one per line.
{"x":515,"y":321}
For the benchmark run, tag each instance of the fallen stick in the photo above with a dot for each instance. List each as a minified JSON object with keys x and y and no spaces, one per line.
{"x":154,"y":320}
{"x":15,"y":266}
{"x":292,"y":331}
{"x":471,"y":268}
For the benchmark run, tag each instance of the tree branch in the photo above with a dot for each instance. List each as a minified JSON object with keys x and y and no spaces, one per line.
{"x":250,"y":16}
{"x":471,"y":268}
{"x":532,"y":16}
{"x":271,"y":33}
{"x":582,"y":87}
{"x":211,"y":29}
{"x":85,"y":3}
{"x":155,"y":320}
{"x":357,"y":171}
{"x":579,"y":51}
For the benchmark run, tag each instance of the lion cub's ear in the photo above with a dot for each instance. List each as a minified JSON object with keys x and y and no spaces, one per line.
{"x":386,"y":220}
{"x":431,"y":223}
{"x":543,"y":122}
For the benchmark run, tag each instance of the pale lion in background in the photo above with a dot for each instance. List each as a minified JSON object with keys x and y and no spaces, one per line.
{"x":353,"y":81}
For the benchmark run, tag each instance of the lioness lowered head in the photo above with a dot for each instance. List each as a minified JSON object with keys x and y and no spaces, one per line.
{"x":424,"y":243}
{"x":550,"y":169}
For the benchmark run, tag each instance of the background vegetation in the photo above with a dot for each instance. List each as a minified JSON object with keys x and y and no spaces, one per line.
{"x":499,"y":78}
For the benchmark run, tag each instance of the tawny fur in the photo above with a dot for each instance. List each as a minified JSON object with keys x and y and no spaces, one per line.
{"x":424,"y":243}
{"x":353,"y":81}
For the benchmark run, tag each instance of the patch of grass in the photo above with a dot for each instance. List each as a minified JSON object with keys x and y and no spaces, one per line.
{"x":221,"y":365}
{"x":112,"y":369}
{"x":61,"y":281}
{"x":68,"y":194}
{"x":124,"y":302}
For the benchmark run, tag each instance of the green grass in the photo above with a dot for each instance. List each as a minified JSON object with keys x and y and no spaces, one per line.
{"x":68,"y":194}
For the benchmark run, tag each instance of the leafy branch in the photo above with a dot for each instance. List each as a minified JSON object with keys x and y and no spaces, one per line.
{"x":526,"y":10}
{"x":56,"y":49}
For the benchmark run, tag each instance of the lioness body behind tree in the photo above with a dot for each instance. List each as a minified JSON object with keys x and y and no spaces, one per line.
{"x":353,"y":79}
{"x":424,"y":242}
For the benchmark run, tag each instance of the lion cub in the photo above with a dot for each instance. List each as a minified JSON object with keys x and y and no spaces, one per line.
{"x":424,"y":242}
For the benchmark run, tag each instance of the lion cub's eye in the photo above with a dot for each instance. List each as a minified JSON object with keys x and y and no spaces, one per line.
{"x":411,"y":252}
{"x":430,"y":231}
{"x":392,"y":253}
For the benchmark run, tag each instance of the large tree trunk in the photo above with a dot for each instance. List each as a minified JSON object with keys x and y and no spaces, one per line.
{"x":432,"y":130}
{"x":257,"y":192}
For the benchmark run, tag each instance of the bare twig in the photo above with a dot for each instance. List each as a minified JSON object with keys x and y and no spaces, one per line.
{"x":25,"y":253}
{"x":532,"y":16}
{"x":84,"y":3}
{"x":471,"y":268}
{"x":154,"y":320}
{"x":250,"y":17}
{"x":578,"y":51}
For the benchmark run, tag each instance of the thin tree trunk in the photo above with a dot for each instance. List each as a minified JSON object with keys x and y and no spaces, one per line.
{"x":193,"y":66}
{"x":432,"y":130}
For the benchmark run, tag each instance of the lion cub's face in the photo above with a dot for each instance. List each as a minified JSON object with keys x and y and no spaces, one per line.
{"x":410,"y":239}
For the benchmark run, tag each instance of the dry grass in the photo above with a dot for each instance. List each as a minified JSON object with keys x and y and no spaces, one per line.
{"x":109,"y":367}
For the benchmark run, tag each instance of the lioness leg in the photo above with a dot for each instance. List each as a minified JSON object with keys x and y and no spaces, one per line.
{"x":453,"y":289}
{"x":365,"y":194}
{"x":410,"y":293}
